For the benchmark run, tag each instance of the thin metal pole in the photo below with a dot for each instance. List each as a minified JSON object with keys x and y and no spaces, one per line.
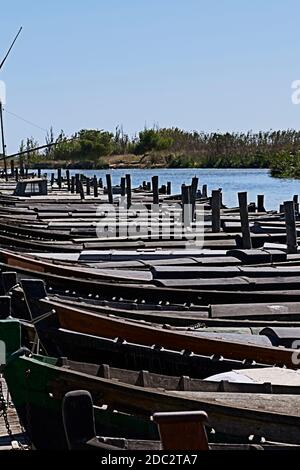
{"x":3,"y":141}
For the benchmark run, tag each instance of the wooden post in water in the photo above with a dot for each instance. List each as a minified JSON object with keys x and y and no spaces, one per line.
{"x":296,"y":202}
{"x":260,"y":203}
{"x":186,"y":205}
{"x":204,"y":191}
{"x":72,"y":184}
{"x":100,"y":183}
{"x":123,"y":186}
{"x":290,"y":223}
{"x":169,"y":187}
{"x":59,"y":177}
{"x":194,"y":189}
{"x":95,"y":185}
{"x":88,"y":186}
{"x":39,"y":172}
{"x":77,"y":181}
{"x":195,"y":181}
{"x":155,"y":191}
{"x":221,"y":197}
{"x":216,"y":211}
{"x":52,"y":179}
{"x":109,"y":189}
{"x":81,"y":190}
{"x":163,"y":189}
{"x":68,"y":179}
{"x":17,"y":174}
{"x":247,"y":243}
{"x":128,"y":190}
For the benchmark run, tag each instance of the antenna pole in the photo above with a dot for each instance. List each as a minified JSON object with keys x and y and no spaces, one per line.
{"x":3,"y":141}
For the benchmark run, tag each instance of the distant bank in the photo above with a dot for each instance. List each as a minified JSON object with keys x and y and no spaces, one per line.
{"x":278,"y":151}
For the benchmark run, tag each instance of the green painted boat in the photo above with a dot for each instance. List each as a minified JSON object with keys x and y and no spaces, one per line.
{"x":38,"y":385}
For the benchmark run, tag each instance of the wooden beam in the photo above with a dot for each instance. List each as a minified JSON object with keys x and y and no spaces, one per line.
{"x":247,"y":244}
{"x":215,"y":211}
{"x":290,"y":222}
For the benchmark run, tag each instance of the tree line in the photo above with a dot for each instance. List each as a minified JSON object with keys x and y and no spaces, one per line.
{"x":174,"y":147}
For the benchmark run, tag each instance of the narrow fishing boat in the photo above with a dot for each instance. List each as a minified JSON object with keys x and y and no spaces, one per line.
{"x":125,"y":401}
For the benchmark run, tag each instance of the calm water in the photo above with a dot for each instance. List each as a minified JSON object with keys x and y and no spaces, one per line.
{"x":230,"y":180}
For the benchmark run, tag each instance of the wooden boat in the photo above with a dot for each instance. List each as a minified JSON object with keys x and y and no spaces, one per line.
{"x":240,"y":316}
{"x":90,"y":323}
{"x":178,"y":431}
{"x":96,"y":285}
{"x":38,"y":384}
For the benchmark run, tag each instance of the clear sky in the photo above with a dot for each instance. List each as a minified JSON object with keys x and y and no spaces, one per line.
{"x":205,"y":65}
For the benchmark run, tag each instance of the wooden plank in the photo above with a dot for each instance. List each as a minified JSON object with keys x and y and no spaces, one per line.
{"x":260,"y":309}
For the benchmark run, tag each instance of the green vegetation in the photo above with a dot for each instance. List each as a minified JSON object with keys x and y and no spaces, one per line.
{"x":286,"y":165}
{"x":172,"y":147}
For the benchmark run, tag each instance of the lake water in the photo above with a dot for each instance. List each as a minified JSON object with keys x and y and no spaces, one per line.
{"x":231,"y":181}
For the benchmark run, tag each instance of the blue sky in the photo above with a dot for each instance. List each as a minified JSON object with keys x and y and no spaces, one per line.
{"x":206,"y":65}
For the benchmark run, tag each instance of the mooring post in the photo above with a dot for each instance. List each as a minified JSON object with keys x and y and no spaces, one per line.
{"x":77,"y":181}
{"x":39,"y":172}
{"x":204,"y":191}
{"x":296,"y":203}
{"x":163,"y":189}
{"x":123,"y":186}
{"x":17,"y":174}
{"x":221,"y":197}
{"x":169,"y":187}
{"x":88,"y":186}
{"x":194,"y":189}
{"x":81,"y":189}
{"x":195,"y":181}
{"x":128,"y":190}
{"x":247,"y":243}
{"x":216,"y":211}
{"x":68,"y":179}
{"x":52,"y":179}
{"x":109,"y":189}
{"x":290,"y":223}
{"x":100,"y":183}
{"x":155,"y":191}
{"x":72,"y":184}
{"x":59,"y":177}
{"x":95,"y":186}
{"x":186,"y":205}
{"x":260,"y":203}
